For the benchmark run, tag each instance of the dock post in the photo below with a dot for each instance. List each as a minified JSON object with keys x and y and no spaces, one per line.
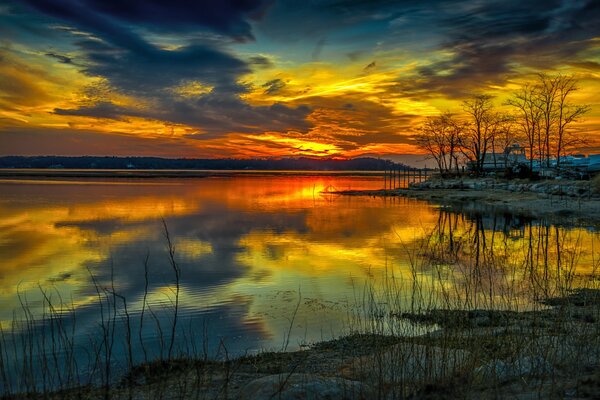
{"x":384,"y":178}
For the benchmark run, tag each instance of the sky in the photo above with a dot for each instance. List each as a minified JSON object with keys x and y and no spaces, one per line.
{"x":258,"y":78}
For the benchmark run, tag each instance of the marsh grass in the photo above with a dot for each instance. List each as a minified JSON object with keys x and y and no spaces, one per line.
{"x":473,"y":316}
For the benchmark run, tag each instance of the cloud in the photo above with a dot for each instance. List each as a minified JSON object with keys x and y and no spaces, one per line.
{"x":227,"y":17}
{"x":371,"y":66}
{"x":144,"y":72}
{"x":273,"y":86}
{"x":491,"y":42}
{"x":116,"y":49}
{"x":99,"y":110}
{"x":261,"y":61}
{"x":224,"y":113}
{"x":60,"y":57}
{"x":143,"y":51}
{"x":24,"y":84}
{"x":355,"y":55}
{"x":29,"y":141}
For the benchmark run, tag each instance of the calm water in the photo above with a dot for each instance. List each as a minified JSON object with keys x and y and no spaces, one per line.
{"x":260,"y":257}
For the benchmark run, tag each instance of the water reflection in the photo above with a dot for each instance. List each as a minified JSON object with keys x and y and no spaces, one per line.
{"x":249,"y":248}
{"x":233,"y":237}
{"x":494,"y":259}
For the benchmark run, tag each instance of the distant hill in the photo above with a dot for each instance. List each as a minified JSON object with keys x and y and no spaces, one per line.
{"x":300,"y":164}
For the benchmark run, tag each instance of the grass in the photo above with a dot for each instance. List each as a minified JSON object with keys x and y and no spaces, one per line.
{"x":476,"y":317}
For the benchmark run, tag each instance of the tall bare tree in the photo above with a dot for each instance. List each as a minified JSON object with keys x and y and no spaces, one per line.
{"x":439,"y":137}
{"x":505,"y":137}
{"x":483,"y":125}
{"x":545,"y":115}
{"x":528,"y":117}
{"x":546,"y":92}
{"x":567,"y":113}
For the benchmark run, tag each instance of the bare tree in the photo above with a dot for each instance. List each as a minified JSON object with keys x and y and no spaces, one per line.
{"x":546,"y":92}
{"x":566,"y":114}
{"x":455,"y":131}
{"x":483,"y":125}
{"x":505,"y":137}
{"x":545,"y":115}
{"x":439,"y":136}
{"x":528,"y":118}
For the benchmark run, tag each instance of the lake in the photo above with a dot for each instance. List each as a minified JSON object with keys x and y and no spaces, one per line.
{"x":259,"y":262}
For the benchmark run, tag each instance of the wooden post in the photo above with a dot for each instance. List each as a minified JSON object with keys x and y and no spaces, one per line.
{"x":384,"y":178}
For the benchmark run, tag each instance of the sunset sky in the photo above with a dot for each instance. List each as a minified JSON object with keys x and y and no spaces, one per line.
{"x":252,"y":78}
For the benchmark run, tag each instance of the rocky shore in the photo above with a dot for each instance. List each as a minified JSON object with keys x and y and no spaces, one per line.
{"x":560,"y":201}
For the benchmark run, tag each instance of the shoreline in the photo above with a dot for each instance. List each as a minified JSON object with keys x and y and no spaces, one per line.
{"x":567,"y":201}
{"x":16,"y":174}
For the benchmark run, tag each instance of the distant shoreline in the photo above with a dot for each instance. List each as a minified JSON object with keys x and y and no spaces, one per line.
{"x":25,"y":173}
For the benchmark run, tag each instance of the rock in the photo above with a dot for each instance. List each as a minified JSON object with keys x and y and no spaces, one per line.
{"x":503,"y":371}
{"x":303,"y":386}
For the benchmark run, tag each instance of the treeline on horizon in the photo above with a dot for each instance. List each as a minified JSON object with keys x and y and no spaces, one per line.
{"x":301,"y":163}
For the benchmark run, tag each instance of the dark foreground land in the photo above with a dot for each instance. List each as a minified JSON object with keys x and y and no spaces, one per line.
{"x":553,"y":352}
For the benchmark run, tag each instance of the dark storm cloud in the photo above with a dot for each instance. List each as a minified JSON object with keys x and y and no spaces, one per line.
{"x":99,"y":110}
{"x":215,"y":112}
{"x":228,"y":17}
{"x":112,"y":47}
{"x":147,"y":71}
{"x":490,"y":40}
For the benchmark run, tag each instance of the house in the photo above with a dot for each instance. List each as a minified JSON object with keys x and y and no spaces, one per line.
{"x":511,"y":157}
